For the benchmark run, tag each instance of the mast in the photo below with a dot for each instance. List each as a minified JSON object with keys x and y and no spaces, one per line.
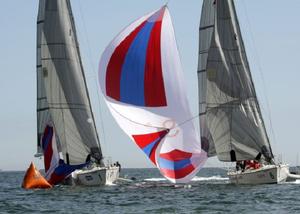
{"x":231,"y":122}
{"x":43,"y":114}
{"x":63,"y":99}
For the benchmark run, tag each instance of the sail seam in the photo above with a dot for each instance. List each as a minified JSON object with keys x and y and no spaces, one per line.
{"x":58,"y":43}
{"x":58,"y":58}
{"x":59,"y":108}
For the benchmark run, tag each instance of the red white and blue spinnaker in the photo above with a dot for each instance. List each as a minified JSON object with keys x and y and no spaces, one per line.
{"x":142,"y":80}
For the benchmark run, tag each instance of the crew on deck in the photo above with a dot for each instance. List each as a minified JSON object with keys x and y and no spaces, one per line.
{"x":118,"y":165}
{"x":247,"y":164}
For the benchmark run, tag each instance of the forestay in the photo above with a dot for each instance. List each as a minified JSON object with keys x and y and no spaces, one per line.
{"x":142,"y":80}
{"x":230,"y":118}
{"x":62,"y":96}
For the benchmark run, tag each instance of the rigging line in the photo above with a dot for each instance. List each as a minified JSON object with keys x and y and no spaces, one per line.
{"x":186,"y":121}
{"x":101,"y":116}
{"x":150,"y":126}
{"x":92,"y":65}
{"x":162,"y":128}
{"x":261,"y":73}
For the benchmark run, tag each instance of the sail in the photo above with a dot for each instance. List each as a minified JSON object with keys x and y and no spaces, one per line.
{"x":56,"y":170}
{"x":62,"y":96}
{"x":141,"y":78}
{"x":231,"y":122}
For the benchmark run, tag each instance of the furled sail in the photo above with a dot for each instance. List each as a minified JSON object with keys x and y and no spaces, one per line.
{"x":142,"y":80}
{"x":231,"y":122}
{"x":62,"y":96}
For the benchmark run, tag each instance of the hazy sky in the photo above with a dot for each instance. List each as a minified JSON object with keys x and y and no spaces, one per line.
{"x":271,"y":32}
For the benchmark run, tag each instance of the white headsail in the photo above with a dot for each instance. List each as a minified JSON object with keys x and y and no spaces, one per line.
{"x":231,"y":122}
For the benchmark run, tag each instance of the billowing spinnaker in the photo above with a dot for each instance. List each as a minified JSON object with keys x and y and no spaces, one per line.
{"x":142,"y":80}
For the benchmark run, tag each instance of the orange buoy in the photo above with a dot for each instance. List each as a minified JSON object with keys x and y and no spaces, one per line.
{"x":33,"y":179}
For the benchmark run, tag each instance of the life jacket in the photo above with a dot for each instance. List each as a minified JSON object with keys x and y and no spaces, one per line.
{"x":256,"y":165}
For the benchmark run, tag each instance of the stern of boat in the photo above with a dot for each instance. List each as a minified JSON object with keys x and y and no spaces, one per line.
{"x":269,"y":174}
{"x":97,"y":176}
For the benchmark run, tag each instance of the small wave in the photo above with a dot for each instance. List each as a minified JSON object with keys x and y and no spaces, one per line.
{"x":293,"y":182}
{"x":155,"y":179}
{"x":212,"y":178}
{"x":111,"y":184}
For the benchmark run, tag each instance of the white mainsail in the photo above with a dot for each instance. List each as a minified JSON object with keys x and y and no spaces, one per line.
{"x":62,"y":95}
{"x":231,"y":122}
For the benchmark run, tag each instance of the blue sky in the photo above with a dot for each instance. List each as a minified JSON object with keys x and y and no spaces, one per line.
{"x":271,"y":34}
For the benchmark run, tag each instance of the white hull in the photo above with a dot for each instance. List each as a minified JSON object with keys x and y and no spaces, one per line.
{"x":269,"y":174}
{"x":97,"y":176}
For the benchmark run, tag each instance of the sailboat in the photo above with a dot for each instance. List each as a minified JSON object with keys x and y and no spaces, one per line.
{"x":142,"y":81}
{"x":231,"y":122}
{"x":66,"y":132}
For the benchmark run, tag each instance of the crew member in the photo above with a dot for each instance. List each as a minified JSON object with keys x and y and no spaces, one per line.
{"x":118,"y":165}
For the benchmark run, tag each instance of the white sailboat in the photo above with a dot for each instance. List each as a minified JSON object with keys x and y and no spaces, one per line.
{"x":67,"y":135}
{"x":232,"y":126}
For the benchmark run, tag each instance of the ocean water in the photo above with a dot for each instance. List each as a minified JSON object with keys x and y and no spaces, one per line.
{"x":209,"y":192}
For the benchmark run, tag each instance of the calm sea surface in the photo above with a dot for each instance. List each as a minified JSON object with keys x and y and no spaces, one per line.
{"x":210,"y":192}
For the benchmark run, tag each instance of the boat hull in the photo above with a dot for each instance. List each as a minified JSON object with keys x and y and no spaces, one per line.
{"x":270,"y":174}
{"x":98,"y":176}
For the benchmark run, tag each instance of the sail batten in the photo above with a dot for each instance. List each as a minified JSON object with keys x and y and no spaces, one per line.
{"x":63,"y":99}
{"x":231,"y":122}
